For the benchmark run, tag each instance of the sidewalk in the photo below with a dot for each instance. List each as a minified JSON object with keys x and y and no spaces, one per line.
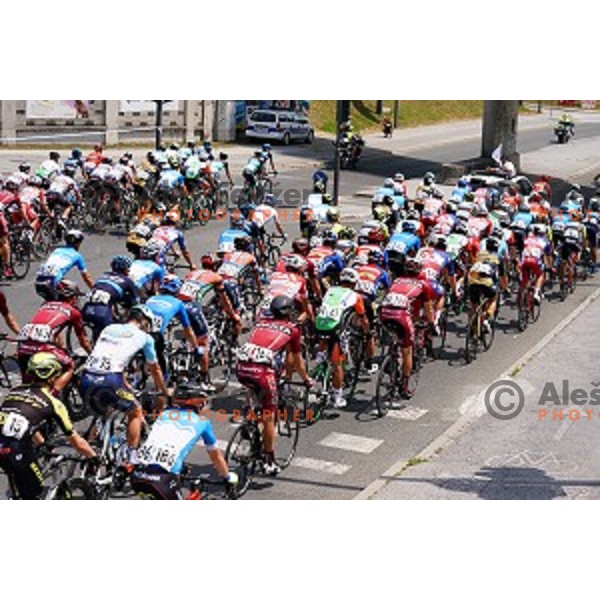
{"x":535,"y":455}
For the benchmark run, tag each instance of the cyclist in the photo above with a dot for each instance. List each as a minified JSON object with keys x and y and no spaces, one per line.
{"x":238,"y":227}
{"x":572,"y":246}
{"x":328,"y":263}
{"x":43,"y":332}
{"x":63,"y":193}
{"x":400,"y":187}
{"x":173,"y":436}
{"x":301,"y":249}
{"x":437,"y":268}
{"x":409,"y":299}
{"x":169,"y":235}
{"x":341,"y":304}
{"x":113,"y":290}
{"x":263,"y":215}
{"x":59,"y":263}
{"x":49,"y":168}
{"x":145,"y":272}
{"x":372,"y":240}
{"x":166,"y":309}
{"x":24,"y":412}
{"x":402,"y":245}
{"x":462,"y":187}
{"x":537,"y":255}
{"x":137,"y":238}
{"x":8,"y":316}
{"x":103,"y":384}
{"x":274,"y":346}
{"x":483,"y":282}
{"x":479,"y":224}
{"x":237,"y":268}
{"x":10,"y":207}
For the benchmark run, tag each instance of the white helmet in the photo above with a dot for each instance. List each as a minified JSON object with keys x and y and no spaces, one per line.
{"x":349,"y":275}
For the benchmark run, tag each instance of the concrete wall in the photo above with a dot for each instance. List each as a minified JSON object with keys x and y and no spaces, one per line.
{"x":106,"y":123}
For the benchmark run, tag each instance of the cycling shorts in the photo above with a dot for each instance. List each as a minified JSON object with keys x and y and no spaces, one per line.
{"x":155,"y":482}
{"x":531,"y":268}
{"x":102,"y":392}
{"x":568,"y":249}
{"x":197,"y":318}
{"x":98,"y":316}
{"x":21,"y":464}
{"x":478,"y":291}
{"x":399,"y":323}
{"x":262,"y":381}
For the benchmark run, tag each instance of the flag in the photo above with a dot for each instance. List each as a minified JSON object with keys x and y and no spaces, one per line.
{"x":497,"y":155}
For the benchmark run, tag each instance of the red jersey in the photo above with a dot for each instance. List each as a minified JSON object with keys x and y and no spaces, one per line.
{"x":362,"y":252}
{"x":479,"y":226}
{"x":317,"y":255}
{"x":432,"y":262}
{"x":50,"y":320}
{"x":308,"y":268}
{"x":267,"y":340}
{"x":197,"y":283}
{"x":235,"y":263}
{"x":407,"y":294}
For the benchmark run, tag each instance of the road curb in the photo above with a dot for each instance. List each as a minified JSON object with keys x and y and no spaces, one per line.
{"x":467,"y":420}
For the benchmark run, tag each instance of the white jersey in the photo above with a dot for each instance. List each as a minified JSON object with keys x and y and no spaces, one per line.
{"x":62,"y":184}
{"x":264,"y":214}
{"x":101,"y":171}
{"x":48,"y":169}
{"x":116,"y":346}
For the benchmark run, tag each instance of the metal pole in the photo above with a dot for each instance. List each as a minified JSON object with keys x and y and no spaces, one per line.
{"x":379,"y":107}
{"x":336,"y":159}
{"x":539,"y":106}
{"x":158,"y":127}
{"x":395,"y":114}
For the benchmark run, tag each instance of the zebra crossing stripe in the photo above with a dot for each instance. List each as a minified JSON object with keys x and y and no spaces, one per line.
{"x":324,"y":466}
{"x":410,"y":413}
{"x":353,"y":443}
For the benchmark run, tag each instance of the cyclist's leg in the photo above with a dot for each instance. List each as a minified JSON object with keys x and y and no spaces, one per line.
{"x":155,"y":482}
{"x":21,"y":464}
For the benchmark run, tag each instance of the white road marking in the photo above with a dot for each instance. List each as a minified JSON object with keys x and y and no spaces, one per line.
{"x":410,"y":413}
{"x":353,"y":443}
{"x":324,"y":466}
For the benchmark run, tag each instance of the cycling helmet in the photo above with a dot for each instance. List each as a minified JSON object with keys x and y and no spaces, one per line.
{"x":539,"y":229}
{"x":98,"y":148}
{"x":76,"y":154}
{"x":36,"y":181}
{"x":151,"y":249}
{"x":189,"y":396}
{"x":375,"y":256}
{"x":375,"y":235}
{"x":141,"y":312}
{"x":346,"y":247}
{"x":12,"y":185}
{"x":269,"y":199}
{"x":69,"y":169}
{"x":399,"y":178}
{"x":120,"y":264}
{"x":282,"y":307}
{"x":349,"y":275}
{"x":388,"y":183}
{"x":208,"y":262}
{"x":291,"y":262}
{"x":172,"y":217}
{"x":497,"y":232}
{"x":44,"y":366}
{"x":236,"y":221}
{"x":412,"y":267}
{"x":258,"y":154}
{"x":413,"y":215}
{"x":66,"y":290}
{"x":438,"y":241}
{"x":326,"y":198}
{"x":242,"y":243}
{"x":451,"y":208}
{"x":428,"y":178}
{"x":25,"y":167}
{"x":461,"y":228}
{"x":462,"y":183}
{"x":388,"y":200}
{"x":333,"y":214}
{"x":171,"y":284}
{"x":595,"y":204}
{"x":55,"y":156}
{"x":330,"y":238}
{"x":173,"y":161}
{"x":266,"y":148}
{"x":492,"y":244}
{"x":301,"y":246}
{"x":409,"y":226}
{"x":74,"y":237}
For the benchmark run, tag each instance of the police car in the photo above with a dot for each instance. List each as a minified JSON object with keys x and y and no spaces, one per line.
{"x":280,"y":125}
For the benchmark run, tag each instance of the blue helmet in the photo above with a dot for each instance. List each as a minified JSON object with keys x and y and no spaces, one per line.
{"x":76,"y":153}
{"x":564,"y":208}
{"x":409,"y":226}
{"x":171,"y":284}
{"x":269,"y":199}
{"x":376,"y":256}
{"x":120,"y":264}
{"x":266,"y":147}
{"x":236,"y":221}
{"x":247,"y":208}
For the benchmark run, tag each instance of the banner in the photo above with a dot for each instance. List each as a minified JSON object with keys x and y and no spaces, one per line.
{"x":129,"y":106}
{"x":56,"y":109}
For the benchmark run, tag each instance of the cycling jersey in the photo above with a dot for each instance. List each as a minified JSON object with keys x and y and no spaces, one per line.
{"x":101,"y":171}
{"x":264,"y":214}
{"x":445,"y":224}
{"x":169,"y":235}
{"x":236,"y":264}
{"x":48,"y":169}
{"x":306,"y":268}
{"x":112,"y":288}
{"x":484,"y":271}
{"x":535,"y":248}
{"x":227,"y":239}
{"x":144,"y":272}
{"x":165,"y":308}
{"x":403,"y":243}
{"x":479,"y":227}
{"x":173,"y":436}
{"x":170,"y":179}
{"x":253,"y":166}
{"x":372,"y":280}
{"x":338,"y":302}
{"x":116,"y":346}
{"x":456,"y":244}
{"x":326,"y":261}
{"x":198,"y":283}
{"x":50,"y":320}
{"x":58,"y":264}
{"x":523,"y":220}
{"x":61,"y":184}
{"x":362,"y":253}
{"x":291,"y":285}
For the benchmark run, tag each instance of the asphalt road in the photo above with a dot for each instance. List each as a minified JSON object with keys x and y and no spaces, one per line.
{"x":341,"y":455}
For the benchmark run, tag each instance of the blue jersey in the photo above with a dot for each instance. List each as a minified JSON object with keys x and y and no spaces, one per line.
{"x":112,"y":288}
{"x":144,"y":272}
{"x":458,"y":193}
{"x":372,"y":280}
{"x":60,"y":262}
{"x":171,"y":179}
{"x":403,"y":243}
{"x":165,"y":308}
{"x":168,"y":236}
{"x":332,"y":264}
{"x":524,"y":217}
{"x":173,"y":436}
{"x":227,"y":238}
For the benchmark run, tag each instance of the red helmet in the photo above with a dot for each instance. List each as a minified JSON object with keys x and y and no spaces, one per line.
{"x":375,"y":236}
{"x":208,"y":262}
{"x":301,"y":246}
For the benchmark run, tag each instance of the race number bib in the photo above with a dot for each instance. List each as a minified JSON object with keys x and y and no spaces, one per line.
{"x":15,"y":426}
{"x":37,"y":333}
{"x":365,"y":287}
{"x":331,"y":312}
{"x":397,"y":247}
{"x":396,"y":300}
{"x":100,"y":297}
{"x":430,"y":273}
{"x":189,"y":289}
{"x":157,"y":322}
{"x":256,"y":354}
{"x":102,"y":364}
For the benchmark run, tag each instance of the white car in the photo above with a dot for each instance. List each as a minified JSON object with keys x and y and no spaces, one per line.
{"x":279,"y":125}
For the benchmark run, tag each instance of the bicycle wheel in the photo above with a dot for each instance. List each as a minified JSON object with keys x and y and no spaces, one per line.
{"x":534,"y":308}
{"x":75,"y":404}
{"x":522,"y":317}
{"x":388,"y":385}
{"x":471,"y":339}
{"x":355,"y":360}
{"x":487,"y":336}
{"x":10,"y":373}
{"x":287,"y":425}
{"x":437,"y":342}
{"x":242,"y":453}
{"x":20,"y":258}
{"x":75,"y":489}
